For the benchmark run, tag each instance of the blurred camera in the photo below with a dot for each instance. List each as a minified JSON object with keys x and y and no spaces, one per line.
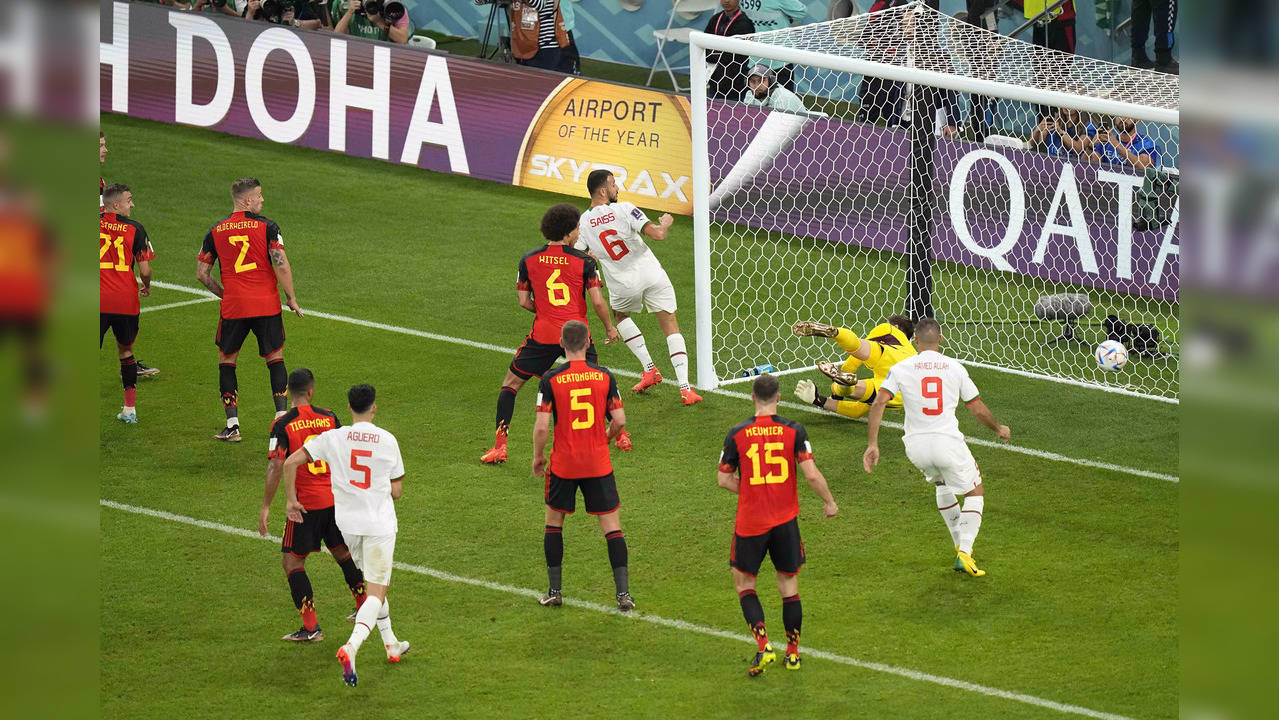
{"x":371,"y":7}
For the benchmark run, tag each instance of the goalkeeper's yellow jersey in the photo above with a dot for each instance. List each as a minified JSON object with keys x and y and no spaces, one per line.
{"x":891,"y":347}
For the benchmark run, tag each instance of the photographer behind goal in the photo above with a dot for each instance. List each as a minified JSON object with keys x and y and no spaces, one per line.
{"x":373,"y":19}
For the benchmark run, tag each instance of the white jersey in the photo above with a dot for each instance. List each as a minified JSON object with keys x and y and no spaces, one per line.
{"x":613,"y":233}
{"x":930,"y":386}
{"x":363,"y":459}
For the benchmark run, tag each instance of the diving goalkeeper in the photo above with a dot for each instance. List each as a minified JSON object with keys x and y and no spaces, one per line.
{"x":884,"y":346}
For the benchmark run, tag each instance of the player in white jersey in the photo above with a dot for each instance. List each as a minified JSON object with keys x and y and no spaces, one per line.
{"x":613,"y":232}
{"x":931,"y":386}
{"x":367,"y":474}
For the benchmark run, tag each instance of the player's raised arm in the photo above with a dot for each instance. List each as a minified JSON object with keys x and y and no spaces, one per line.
{"x":661,"y":229}
{"x":871,"y":457}
{"x":987,"y":418}
{"x":284,"y":274}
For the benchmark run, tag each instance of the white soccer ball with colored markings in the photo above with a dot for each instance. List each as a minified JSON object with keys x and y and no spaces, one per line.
{"x":1112,"y":355}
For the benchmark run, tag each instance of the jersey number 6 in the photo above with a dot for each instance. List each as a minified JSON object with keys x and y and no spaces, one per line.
{"x":368,"y":471}
{"x":617,"y":249}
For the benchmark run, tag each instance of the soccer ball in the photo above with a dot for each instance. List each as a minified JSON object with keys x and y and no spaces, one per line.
{"x":1112,"y":355}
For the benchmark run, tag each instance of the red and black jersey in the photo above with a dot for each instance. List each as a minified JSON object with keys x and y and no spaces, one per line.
{"x":241,"y":243}
{"x":122,"y":241}
{"x":768,"y":450}
{"x":289,"y":433}
{"x":26,"y":252}
{"x":579,"y":396}
{"x":559,"y":278}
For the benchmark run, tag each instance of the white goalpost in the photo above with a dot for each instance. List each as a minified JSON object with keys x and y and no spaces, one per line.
{"x":1026,"y":198}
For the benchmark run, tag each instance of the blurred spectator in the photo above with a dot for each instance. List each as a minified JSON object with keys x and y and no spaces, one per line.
{"x":1121,"y":144}
{"x":728,"y":80}
{"x":880,"y":99}
{"x":538,"y":36}
{"x":26,"y":279}
{"x":373,"y":19}
{"x":1164,"y":14}
{"x":774,"y":15}
{"x":574,"y":60}
{"x":763,"y":89}
{"x":1061,"y":135}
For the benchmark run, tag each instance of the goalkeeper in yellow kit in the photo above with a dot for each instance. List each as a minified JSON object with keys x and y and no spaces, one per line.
{"x":884,"y":346}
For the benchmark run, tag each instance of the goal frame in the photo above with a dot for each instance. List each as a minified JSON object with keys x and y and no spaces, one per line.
{"x":700,"y":43}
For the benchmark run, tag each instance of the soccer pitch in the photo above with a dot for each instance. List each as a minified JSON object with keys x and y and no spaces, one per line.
{"x":408,"y":279}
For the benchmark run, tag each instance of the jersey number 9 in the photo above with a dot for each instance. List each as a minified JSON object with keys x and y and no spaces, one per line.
{"x":930,"y":388}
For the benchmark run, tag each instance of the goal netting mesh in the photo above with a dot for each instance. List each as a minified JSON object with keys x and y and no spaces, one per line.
{"x":1026,"y":198}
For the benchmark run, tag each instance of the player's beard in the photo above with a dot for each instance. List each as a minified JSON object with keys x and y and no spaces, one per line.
{"x":612,"y":196}
{"x":761,"y":94}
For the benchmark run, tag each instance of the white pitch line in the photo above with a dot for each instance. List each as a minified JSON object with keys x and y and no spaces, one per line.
{"x":1032,"y":452}
{"x":153,"y":308}
{"x":657,"y":620}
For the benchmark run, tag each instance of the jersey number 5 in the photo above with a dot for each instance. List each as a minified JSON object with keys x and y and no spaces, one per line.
{"x":576,"y":402}
{"x":772,"y":458}
{"x":243,"y":242}
{"x":368,"y":471}
{"x":616,"y":249}
{"x":930,"y":388}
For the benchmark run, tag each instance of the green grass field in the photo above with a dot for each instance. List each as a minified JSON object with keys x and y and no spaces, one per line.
{"x":1077,"y":614}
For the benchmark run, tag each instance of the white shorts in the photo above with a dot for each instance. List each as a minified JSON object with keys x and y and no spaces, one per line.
{"x":653,"y":293}
{"x":944,"y":461}
{"x":373,"y":555}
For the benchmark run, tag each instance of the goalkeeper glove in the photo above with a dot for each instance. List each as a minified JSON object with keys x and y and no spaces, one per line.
{"x":805,"y":390}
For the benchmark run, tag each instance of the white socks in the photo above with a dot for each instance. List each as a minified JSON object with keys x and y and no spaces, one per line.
{"x":679,"y":358}
{"x":634,"y":340}
{"x":365,"y":619}
{"x":970,"y":522}
{"x":948,"y":506}
{"x":232,"y":422}
{"x":384,"y":623}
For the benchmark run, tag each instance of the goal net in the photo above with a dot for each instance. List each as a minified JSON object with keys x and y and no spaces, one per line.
{"x":1026,"y":198}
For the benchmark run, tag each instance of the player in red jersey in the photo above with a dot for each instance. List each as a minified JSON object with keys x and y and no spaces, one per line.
{"x":581,"y":397}
{"x":123,"y":242}
{"x":554,"y":282}
{"x":289,"y":433}
{"x":766,"y":450}
{"x":250,"y":250}
{"x":143,"y":370}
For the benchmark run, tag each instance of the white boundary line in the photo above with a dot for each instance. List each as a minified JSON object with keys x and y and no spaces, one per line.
{"x":656,"y":620}
{"x":153,"y":308}
{"x":1042,"y":454}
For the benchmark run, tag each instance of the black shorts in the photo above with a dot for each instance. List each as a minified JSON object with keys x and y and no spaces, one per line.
{"x":268,"y":329}
{"x":304,"y":538}
{"x":781,"y":544}
{"x":124,"y":327}
{"x":533,"y":358}
{"x":598,"y":493}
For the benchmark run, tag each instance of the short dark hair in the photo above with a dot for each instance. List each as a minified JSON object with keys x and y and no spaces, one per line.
{"x":928,"y":330}
{"x":574,"y":336}
{"x":766,"y":387}
{"x":559,"y":221}
{"x":361,"y":398}
{"x":112,"y":192}
{"x":597,"y":180}
{"x":903,"y":323}
{"x":301,"y":380}
{"x":243,"y":185}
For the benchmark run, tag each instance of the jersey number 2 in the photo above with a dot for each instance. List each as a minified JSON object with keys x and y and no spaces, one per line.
{"x":243,"y":242}
{"x":616,"y":249}
{"x":368,"y":471}
{"x":930,"y":388}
